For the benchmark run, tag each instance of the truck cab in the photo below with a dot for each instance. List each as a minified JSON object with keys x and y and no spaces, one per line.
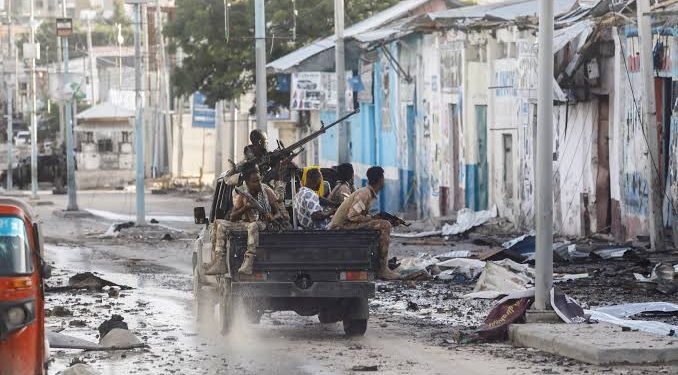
{"x":23,"y":347}
{"x":329,"y":273}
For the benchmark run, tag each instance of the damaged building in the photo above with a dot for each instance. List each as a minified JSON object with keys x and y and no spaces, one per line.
{"x":447,"y":95}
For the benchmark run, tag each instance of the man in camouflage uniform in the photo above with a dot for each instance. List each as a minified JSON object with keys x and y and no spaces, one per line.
{"x":246,"y":215}
{"x":353,"y":213}
{"x":344,"y":186}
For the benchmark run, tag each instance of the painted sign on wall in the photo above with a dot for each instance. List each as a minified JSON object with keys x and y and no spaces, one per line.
{"x":204,"y":116}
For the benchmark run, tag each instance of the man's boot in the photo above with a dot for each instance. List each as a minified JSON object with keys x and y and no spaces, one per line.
{"x":218,"y":265}
{"x":385,"y":273}
{"x":247,"y":264}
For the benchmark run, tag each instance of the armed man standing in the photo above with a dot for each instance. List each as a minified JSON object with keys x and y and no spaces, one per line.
{"x":354,"y":214}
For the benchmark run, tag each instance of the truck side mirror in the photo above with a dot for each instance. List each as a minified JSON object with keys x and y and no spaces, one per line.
{"x":199,"y":215}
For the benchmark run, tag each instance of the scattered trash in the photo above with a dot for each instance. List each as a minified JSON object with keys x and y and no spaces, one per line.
{"x":470,"y":269}
{"x":116,"y":321}
{"x":412,"y":306}
{"x":614,"y":253}
{"x":62,"y":341}
{"x":505,"y":276}
{"x":661,"y":272}
{"x":414,"y":268}
{"x":88,"y":280}
{"x":467,"y":219}
{"x":485,"y":294}
{"x":154,"y":221}
{"x":567,"y":308}
{"x":77,"y":323}
{"x":655,"y":328}
{"x":167,"y":237}
{"x":569,"y":277}
{"x":114,"y":293}
{"x":61,"y":311}
{"x":454,"y":255}
{"x":417,"y":235}
{"x":507,"y":312}
{"x":365,"y":368}
{"x":119,"y":338}
{"x":79,"y":369}
{"x":520,"y":248}
{"x":630,"y":309}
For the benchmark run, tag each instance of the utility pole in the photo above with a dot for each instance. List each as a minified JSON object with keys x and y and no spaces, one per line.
{"x":67,"y":107}
{"x":34,"y":120}
{"x":544,"y":173}
{"x":218,"y":141}
{"x":260,"y":46}
{"x":10,"y":96}
{"x":90,"y":15}
{"x":138,"y":118}
{"x":344,"y":135}
{"x":650,"y":123}
{"x":164,"y":94}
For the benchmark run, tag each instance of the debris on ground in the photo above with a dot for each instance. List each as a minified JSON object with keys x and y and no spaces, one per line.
{"x":60,"y":311}
{"x":652,"y":327}
{"x":566,"y":307}
{"x":645,"y":308}
{"x":154,"y":221}
{"x":505,"y":276}
{"x":77,"y":323}
{"x":167,"y":237}
{"x":115,"y":228}
{"x":62,"y":341}
{"x":614,"y":252}
{"x":79,"y":369}
{"x":453,"y":255}
{"x":118,"y":338}
{"x":365,"y":368}
{"x":460,"y":269}
{"x":467,"y":219}
{"x":88,"y":280}
{"x":116,"y":321}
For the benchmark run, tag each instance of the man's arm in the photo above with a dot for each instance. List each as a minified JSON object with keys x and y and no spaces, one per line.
{"x":273,"y":201}
{"x":358,"y":211}
{"x":240,"y":206}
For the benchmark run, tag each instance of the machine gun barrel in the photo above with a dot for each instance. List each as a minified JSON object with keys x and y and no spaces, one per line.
{"x":323,"y":128}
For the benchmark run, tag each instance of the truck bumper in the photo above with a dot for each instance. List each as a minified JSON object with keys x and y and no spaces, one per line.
{"x":341,"y":289}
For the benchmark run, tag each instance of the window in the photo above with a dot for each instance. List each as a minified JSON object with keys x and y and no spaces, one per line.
{"x":15,"y":252}
{"x":105,"y":145}
{"x":125,"y":137}
{"x":89,"y":137}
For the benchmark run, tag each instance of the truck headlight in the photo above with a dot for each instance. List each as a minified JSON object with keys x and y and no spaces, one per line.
{"x":16,"y":316}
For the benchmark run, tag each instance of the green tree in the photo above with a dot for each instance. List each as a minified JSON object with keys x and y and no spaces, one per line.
{"x":223,"y":69}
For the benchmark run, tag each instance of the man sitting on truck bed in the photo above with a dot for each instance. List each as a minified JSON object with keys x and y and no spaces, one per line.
{"x":344,"y":186}
{"x":353,"y":213}
{"x":250,"y":216}
{"x":310,"y":213}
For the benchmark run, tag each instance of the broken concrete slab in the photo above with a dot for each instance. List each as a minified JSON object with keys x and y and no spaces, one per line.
{"x":598,"y":344}
{"x":62,"y":341}
{"x":79,"y":369}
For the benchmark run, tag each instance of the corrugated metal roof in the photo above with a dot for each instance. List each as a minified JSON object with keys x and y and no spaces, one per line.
{"x":105,"y":111}
{"x":292,"y":59}
{"x":504,"y":11}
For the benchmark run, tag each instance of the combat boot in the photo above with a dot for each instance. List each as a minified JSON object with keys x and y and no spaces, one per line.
{"x":385,"y":273}
{"x":218,"y":266}
{"x":247,"y":264}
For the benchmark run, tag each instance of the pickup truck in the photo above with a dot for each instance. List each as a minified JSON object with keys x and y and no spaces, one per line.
{"x":311,"y":272}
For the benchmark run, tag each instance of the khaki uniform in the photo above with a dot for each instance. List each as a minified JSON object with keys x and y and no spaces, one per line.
{"x":340,"y":192}
{"x":353,"y":213}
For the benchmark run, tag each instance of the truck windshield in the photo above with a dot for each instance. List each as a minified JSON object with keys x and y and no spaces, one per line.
{"x":15,"y":254}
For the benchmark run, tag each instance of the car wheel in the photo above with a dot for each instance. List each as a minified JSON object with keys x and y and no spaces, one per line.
{"x":355,"y":327}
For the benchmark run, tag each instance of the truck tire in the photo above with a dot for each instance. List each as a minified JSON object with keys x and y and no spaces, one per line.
{"x":227,"y":306}
{"x":355,"y":327}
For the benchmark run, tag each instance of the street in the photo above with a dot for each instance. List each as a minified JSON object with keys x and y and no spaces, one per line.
{"x":161,"y":312}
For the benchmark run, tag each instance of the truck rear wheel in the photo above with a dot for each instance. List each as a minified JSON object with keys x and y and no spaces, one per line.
{"x":355,"y":327}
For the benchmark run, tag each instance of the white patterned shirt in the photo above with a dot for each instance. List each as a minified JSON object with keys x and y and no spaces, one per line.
{"x":306,"y":202}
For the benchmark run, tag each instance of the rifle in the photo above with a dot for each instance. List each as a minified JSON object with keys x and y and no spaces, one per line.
{"x":273,"y":158}
{"x":394,"y":220}
{"x":243,"y":191}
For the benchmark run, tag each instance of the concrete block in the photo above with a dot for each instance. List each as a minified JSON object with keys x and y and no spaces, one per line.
{"x":598,"y":344}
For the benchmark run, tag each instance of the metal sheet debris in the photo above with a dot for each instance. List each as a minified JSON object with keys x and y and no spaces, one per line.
{"x":467,"y":219}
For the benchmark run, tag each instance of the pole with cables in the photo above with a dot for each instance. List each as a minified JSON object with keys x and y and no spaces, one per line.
{"x":344,"y":135}
{"x":10,"y":95}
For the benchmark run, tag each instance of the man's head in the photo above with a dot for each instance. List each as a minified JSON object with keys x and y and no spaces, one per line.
{"x":259,"y":139}
{"x":345,"y":172}
{"x":313,"y":179}
{"x":375,"y":177}
{"x":252,"y":179}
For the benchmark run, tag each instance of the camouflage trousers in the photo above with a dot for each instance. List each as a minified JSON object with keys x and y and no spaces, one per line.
{"x":223,"y":228}
{"x":384,"y":228}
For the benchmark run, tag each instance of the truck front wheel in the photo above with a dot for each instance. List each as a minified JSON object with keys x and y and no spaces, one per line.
{"x":355,"y":327}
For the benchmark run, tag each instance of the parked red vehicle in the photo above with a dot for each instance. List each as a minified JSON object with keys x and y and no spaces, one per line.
{"x":23,"y":347}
